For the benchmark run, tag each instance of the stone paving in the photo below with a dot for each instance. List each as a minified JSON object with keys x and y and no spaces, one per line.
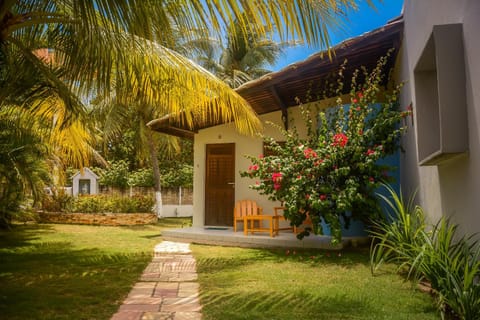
{"x":167,"y":289}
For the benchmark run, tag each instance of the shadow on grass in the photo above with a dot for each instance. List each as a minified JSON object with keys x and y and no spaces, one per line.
{"x":313,"y":257}
{"x":22,"y":235}
{"x":52,"y":280}
{"x":293,"y":304}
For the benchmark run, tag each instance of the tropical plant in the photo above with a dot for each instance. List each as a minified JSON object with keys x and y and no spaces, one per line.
{"x":398,"y":237}
{"x":332,"y":174}
{"x":451,"y":264}
{"x":447,"y":261}
{"x":244,"y":57}
{"x":99,"y":45}
{"x":115,"y":175}
{"x":22,"y":167}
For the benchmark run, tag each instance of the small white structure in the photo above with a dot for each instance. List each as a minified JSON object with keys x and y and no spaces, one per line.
{"x":85,"y":183}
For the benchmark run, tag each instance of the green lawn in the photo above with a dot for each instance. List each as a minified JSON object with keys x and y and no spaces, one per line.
{"x":71,"y":271}
{"x":84,"y":272}
{"x":238,"y":283}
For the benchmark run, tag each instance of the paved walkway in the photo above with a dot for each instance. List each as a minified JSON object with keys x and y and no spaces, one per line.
{"x":167,"y":289}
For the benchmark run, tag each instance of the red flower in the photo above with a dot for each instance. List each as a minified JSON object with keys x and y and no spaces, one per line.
{"x":307,"y":196}
{"x":253,"y":167}
{"x":360,"y":95}
{"x":323,"y":197}
{"x":371,"y":179}
{"x":354,"y":100}
{"x":370,"y":152}
{"x":309,"y":153}
{"x":277,"y":179}
{"x":340,"y":139}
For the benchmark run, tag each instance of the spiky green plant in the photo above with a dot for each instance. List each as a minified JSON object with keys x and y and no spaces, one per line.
{"x":451,"y":264}
{"x":397,"y":238}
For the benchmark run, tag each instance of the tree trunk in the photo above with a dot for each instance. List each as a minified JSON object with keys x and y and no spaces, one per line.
{"x":156,"y":174}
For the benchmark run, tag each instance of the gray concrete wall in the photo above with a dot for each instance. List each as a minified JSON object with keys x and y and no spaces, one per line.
{"x":451,"y":188}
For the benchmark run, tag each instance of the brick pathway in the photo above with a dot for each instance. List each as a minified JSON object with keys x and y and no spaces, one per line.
{"x":167,"y":289}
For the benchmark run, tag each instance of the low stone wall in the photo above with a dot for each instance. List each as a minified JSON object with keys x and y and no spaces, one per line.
{"x":104,"y":219}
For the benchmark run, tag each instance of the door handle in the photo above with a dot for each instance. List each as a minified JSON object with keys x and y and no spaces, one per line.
{"x":231,"y":183}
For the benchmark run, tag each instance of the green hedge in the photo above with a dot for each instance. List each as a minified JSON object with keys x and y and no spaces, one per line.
{"x":99,"y":204}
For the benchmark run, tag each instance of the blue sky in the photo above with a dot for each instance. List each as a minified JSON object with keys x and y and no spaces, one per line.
{"x":359,"y":22}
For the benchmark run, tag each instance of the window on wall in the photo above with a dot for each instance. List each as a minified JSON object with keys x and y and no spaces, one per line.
{"x":440,"y":106}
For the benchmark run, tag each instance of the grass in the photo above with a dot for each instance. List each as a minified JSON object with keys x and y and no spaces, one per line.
{"x":71,"y":271}
{"x":238,"y":283}
{"x":84,"y":272}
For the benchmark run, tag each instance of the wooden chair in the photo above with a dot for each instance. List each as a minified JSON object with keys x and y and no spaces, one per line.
{"x":278,"y":211}
{"x":280,"y":217}
{"x":242,"y":210}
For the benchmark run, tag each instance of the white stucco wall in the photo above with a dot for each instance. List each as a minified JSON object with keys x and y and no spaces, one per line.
{"x":453,"y":187}
{"x":244,"y":145}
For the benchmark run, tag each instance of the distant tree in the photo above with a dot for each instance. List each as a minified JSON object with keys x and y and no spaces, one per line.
{"x":245,"y":56}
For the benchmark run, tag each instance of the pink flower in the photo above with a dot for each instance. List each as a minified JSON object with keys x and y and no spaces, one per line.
{"x":340,"y":139}
{"x":277,"y":179}
{"x":354,"y":100}
{"x":360,"y":95}
{"x":369,"y":152}
{"x":309,"y":153}
{"x":253,"y":167}
{"x":260,"y":156}
{"x":323,"y":197}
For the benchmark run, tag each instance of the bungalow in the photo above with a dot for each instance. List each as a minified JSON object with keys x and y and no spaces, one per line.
{"x":435,"y":46}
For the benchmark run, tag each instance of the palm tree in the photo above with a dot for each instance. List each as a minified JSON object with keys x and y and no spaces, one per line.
{"x":244,"y":58}
{"x":102,"y":47}
{"x":113,"y":118}
{"x":99,"y":44}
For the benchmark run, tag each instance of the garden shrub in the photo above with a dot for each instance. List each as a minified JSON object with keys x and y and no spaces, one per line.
{"x":100,"y":204}
{"x":57,"y":201}
{"x":113,"y":204}
{"x":332,"y":174}
{"x":438,"y":254}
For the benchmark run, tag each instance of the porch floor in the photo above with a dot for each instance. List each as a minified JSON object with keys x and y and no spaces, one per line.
{"x":224,"y":236}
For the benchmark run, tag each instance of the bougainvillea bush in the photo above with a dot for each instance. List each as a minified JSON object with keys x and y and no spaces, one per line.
{"x":332,"y":173}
